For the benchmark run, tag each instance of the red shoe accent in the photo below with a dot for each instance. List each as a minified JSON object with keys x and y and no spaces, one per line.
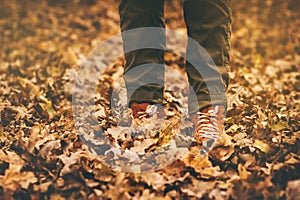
{"x":138,"y":109}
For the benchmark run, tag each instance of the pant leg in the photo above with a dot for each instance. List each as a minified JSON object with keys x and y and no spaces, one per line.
{"x":144,"y":84}
{"x":209,"y":24}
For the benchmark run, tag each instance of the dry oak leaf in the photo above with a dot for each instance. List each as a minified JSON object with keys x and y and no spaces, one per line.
{"x":69,"y":161}
{"x":198,"y":188}
{"x":12,"y":158}
{"x":13,"y":178}
{"x":43,"y":187}
{"x":140,"y":146}
{"x":156,"y":180}
{"x":201,"y":164}
{"x":222,"y":153}
{"x":292,"y":190}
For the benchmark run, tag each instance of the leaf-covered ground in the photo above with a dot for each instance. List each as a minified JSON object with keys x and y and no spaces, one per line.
{"x":42,"y":157}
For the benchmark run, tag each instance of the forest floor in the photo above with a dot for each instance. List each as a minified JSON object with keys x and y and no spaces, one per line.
{"x":43,"y":155}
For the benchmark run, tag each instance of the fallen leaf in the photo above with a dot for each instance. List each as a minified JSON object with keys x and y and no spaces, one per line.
{"x":264,"y":147}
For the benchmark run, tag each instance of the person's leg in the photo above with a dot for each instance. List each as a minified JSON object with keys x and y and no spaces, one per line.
{"x":209,"y":24}
{"x":144,"y":70}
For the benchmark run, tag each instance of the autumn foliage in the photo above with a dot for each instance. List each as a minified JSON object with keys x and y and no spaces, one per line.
{"x":42,"y":156}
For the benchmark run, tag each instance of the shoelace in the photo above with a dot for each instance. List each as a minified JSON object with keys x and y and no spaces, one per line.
{"x":207,"y":124}
{"x":208,"y":128}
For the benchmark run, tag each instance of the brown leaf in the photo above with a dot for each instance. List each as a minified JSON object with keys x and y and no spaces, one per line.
{"x":202,"y":164}
{"x":198,"y":188}
{"x":156,"y":180}
{"x":14,"y":180}
{"x":68,"y":162}
{"x":292,"y":190}
{"x":222,"y":153}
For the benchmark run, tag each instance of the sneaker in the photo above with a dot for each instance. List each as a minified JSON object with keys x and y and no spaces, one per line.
{"x":146,"y":110}
{"x":209,"y":125}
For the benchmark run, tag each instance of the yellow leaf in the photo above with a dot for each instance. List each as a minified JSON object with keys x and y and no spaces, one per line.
{"x":264,"y":147}
{"x":48,"y":46}
{"x":243,"y":172}
{"x":70,"y":57}
{"x":278,"y":126}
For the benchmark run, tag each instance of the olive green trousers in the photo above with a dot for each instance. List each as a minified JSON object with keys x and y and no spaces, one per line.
{"x":208,"y":23}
